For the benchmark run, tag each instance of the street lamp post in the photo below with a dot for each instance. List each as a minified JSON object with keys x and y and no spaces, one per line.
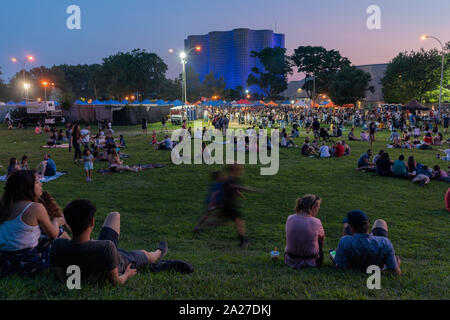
{"x":442,"y":70}
{"x":25,"y":85}
{"x":183,"y":57}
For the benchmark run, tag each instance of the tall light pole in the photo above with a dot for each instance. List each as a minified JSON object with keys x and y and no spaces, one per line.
{"x":424,"y":37}
{"x":25,"y":85}
{"x":45,"y":84}
{"x":183,"y":58}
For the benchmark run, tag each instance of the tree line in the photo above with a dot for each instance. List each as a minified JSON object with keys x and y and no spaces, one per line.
{"x":409,"y":75}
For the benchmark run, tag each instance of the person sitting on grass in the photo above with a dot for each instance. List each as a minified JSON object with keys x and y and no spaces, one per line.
{"x":155,"y":142}
{"x":400,"y":167}
{"x":116,"y":165}
{"x":364,"y":136}
{"x":24,"y":163}
{"x":384,"y":165}
{"x":324,"y":135}
{"x":304,"y":234}
{"x":122,"y":142}
{"x":437,"y":140}
{"x":286,"y":141}
{"x":338,"y":149}
{"x":100,"y":259}
{"x":364,"y":163}
{"x":47,"y":167}
{"x":21,"y":220}
{"x":358,"y":249}
{"x":13,"y":167}
{"x":346,"y":148}
{"x":351,"y":135}
{"x":428,"y":139}
{"x":166,"y":144}
{"x":440,"y":174}
{"x":324,"y":150}
{"x":307,"y":150}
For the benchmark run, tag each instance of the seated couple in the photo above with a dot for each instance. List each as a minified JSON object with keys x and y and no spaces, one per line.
{"x":30,"y":221}
{"x":356,"y":250}
{"x":287,"y":141}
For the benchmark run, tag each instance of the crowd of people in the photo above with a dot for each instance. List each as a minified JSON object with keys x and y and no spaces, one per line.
{"x":36,"y":235}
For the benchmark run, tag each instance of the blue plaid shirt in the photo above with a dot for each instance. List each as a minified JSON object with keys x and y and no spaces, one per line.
{"x":362,"y":250}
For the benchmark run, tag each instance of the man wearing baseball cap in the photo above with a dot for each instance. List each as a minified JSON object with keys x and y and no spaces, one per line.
{"x":359,"y":249}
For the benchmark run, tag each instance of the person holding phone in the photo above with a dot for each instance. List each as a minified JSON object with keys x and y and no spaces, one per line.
{"x":359,"y":249}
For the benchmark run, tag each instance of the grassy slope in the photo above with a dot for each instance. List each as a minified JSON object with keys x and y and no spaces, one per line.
{"x":166,"y":204}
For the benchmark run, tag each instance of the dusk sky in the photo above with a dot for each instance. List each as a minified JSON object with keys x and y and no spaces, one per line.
{"x":38,"y":27}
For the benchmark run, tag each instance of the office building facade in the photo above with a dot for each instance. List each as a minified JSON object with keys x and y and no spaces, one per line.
{"x":227,"y":54}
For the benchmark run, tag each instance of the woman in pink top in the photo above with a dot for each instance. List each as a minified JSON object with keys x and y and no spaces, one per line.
{"x":304,"y":234}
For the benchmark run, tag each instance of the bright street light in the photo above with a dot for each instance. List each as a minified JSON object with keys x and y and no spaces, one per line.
{"x":27,"y":58}
{"x":183,"y":55}
{"x":424,"y":37}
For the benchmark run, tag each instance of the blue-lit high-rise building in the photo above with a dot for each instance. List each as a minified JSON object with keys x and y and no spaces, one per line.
{"x":227,"y":54}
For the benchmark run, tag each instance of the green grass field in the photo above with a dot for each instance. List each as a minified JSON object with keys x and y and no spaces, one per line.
{"x":166,"y":203}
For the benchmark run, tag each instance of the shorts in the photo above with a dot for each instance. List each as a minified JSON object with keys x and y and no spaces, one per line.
{"x":138,"y":259}
{"x":88,"y":166}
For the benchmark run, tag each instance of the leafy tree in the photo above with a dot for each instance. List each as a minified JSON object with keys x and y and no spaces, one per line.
{"x":273,"y":78}
{"x":3,"y":88}
{"x":212,"y":86}
{"x":171,"y":89}
{"x":134,"y":72}
{"x":193,"y":85}
{"x":321,"y":63}
{"x":67,"y":100}
{"x":350,"y":86}
{"x":415,"y":75}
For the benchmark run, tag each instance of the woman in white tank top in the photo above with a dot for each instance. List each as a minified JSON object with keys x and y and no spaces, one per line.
{"x":21,"y":220}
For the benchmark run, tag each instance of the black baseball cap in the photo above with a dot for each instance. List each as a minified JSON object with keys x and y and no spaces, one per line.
{"x":355,"y":217}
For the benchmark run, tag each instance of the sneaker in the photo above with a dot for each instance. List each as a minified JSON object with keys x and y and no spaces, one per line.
{"x":163,"y":247}
{"x":87,"y":179}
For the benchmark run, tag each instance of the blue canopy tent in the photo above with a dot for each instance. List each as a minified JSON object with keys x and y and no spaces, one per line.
{"x":160,"y":102}
{"x":11,"y":102}
{"x":97,"y":102}
{"x":22,"y":103}
{"x":146,"y":101}
{"x":125,"y":101}
{"x":177,"y":103}
{"x":136,"y":102}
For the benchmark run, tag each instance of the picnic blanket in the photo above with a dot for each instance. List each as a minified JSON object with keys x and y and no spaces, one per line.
{"x":143,"y":167}
{"x":64,"y":146}
{"x":44,"y":179}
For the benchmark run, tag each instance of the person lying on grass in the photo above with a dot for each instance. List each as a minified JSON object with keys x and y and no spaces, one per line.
{"x":103,"y":259}
{"x":359,"y":249}
{"x":115,"y":164}
{"x":304,"y":234}
{"x":23,"y":220}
